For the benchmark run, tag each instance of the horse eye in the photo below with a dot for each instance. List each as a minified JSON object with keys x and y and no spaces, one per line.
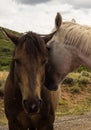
{"x":17,"y":61}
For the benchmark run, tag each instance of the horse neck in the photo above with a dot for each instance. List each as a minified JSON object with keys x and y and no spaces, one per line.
{"x":73,"y":60}
{"x":85,"y":60}
{"x":82,"y":58}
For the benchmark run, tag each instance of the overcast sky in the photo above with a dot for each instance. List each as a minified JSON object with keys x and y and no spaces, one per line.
{"x":39,"y":15}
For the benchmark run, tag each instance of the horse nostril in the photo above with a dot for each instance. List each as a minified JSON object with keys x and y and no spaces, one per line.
{"x":40,"y":102}
{"x":34,"y":107}
{"x":25,"y":103}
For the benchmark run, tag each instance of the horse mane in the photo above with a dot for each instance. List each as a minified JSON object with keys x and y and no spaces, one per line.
{"x":78,"y":36}
{"x":33,"y":43}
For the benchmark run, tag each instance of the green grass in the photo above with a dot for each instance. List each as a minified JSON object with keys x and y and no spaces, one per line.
{"x":6,"y":50}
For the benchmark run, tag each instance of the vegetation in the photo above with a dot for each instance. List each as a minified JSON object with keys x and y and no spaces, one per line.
{"x":6,"y":50}
{"x":3,"y":76}
{"x":76,"y":94}
{"x":3,"y":119}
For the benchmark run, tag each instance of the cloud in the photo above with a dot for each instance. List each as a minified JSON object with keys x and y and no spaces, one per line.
{"x":40,"y":17}
{"x":79,"y":3}
{"x":31,"y":2}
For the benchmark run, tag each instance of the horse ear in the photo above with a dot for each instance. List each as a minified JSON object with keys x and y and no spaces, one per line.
{"x":58,"y":20}
{"x":12,"y":37}
{"x":48,"y":37}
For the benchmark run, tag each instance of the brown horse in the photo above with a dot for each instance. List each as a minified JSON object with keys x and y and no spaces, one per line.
{"x":29,"y":105}
{"x":69,"y":48}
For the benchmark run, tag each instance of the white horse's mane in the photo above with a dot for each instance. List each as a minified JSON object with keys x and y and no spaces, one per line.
{"x":77,"y":36}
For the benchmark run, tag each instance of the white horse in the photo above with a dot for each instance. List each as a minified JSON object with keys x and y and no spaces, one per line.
{"x":69,"y":48}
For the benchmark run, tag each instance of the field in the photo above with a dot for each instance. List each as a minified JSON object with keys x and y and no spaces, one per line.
{"x":75,"y":95}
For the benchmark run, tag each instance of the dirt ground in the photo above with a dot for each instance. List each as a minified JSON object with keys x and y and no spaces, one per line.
{"x":81,"y":122}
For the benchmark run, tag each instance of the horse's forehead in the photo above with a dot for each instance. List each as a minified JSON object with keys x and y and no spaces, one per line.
{"x":20,"y":53}
{"x":23,"y":55}
{"x":19,"y":49}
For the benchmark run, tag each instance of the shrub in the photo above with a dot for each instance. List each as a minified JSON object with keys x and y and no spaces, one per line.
{"x":75,"y":89}
{"x":84,"y":80}
{"x":82,"y":68}
{"x":68,"y":80}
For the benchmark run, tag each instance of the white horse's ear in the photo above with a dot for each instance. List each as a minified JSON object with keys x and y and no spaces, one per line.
{"x":58,"y":20}
{"x":73,"y":20}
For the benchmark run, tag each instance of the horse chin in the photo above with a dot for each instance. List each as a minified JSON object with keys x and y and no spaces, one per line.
{"x":52,"y":88}
{"x":31,"y":113}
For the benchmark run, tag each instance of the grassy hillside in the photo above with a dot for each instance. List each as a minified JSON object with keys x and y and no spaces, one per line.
{"x":6,"y":50}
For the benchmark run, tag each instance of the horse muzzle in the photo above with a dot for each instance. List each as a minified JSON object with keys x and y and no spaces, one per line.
{"x":51,"y":86}
{"x":32,"y":107}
